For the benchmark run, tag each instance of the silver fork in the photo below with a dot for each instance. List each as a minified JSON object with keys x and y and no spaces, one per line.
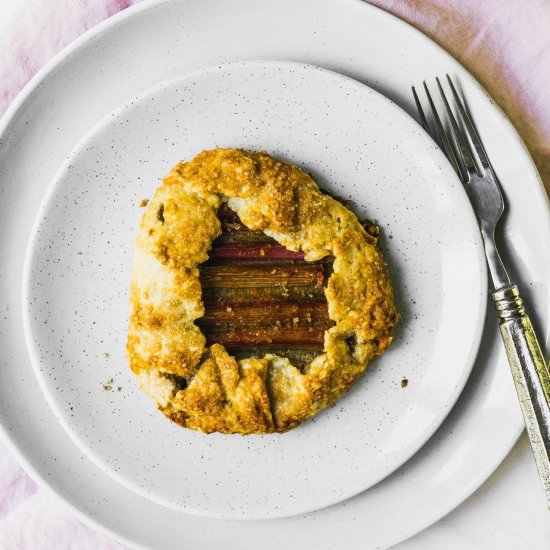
{"x":463,"y":148}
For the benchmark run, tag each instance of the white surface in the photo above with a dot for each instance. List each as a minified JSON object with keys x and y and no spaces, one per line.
{"x":485,"y":433}
{"x":358,"y":145}
{"x":508,"y":512}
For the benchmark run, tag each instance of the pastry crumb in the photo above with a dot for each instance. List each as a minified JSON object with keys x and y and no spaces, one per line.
{"x":404,"y":383}
{"x":143,"y":203}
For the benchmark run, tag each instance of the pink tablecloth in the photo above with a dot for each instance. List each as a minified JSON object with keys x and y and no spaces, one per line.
{"x":506,"y":45}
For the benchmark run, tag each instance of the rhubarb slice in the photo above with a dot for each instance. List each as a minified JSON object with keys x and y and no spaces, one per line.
{"x":260,"y":297}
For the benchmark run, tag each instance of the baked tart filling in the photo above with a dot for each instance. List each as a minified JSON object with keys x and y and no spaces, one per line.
{"x":256,"y":300}
{"x":260,"y":297}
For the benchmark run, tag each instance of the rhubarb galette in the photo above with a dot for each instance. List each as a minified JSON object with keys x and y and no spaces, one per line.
{"x":256,"y":300}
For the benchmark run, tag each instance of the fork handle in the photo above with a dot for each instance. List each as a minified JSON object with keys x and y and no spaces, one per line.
{"x":530,"y":373}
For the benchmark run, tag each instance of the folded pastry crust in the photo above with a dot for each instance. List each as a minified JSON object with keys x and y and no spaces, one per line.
{"x":205,"y":388}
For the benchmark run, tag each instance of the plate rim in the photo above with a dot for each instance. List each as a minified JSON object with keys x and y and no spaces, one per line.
{"x":515,"y":430}
{"x":478,"y":306}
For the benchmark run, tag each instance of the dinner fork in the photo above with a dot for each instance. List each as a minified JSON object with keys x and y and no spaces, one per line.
{"x":464,"y":149}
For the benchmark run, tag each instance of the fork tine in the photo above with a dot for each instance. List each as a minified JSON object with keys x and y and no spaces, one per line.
{"x":474,"y":136}
{"x":449,"y":151}
{"x":462,"y":144}
{"x":421,"y":114}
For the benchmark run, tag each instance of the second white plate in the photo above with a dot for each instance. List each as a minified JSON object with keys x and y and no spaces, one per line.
{"x":357,"y":144}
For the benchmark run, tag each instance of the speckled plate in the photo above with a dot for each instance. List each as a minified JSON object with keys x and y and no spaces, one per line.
{"x":356,"y":144}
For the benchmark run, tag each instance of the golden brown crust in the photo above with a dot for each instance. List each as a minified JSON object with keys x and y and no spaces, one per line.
{"x":205,"y":388}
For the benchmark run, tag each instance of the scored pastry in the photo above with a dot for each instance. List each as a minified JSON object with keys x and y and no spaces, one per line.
{"x":256,"y":300}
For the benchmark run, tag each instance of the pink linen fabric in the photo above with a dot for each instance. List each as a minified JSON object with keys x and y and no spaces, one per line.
{"x":506,"y":45}
{"x":38,"y":30}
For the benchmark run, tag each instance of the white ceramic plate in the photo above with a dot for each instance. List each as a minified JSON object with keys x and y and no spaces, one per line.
{"x":152,"y":43}
{"x":358,"y":145}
